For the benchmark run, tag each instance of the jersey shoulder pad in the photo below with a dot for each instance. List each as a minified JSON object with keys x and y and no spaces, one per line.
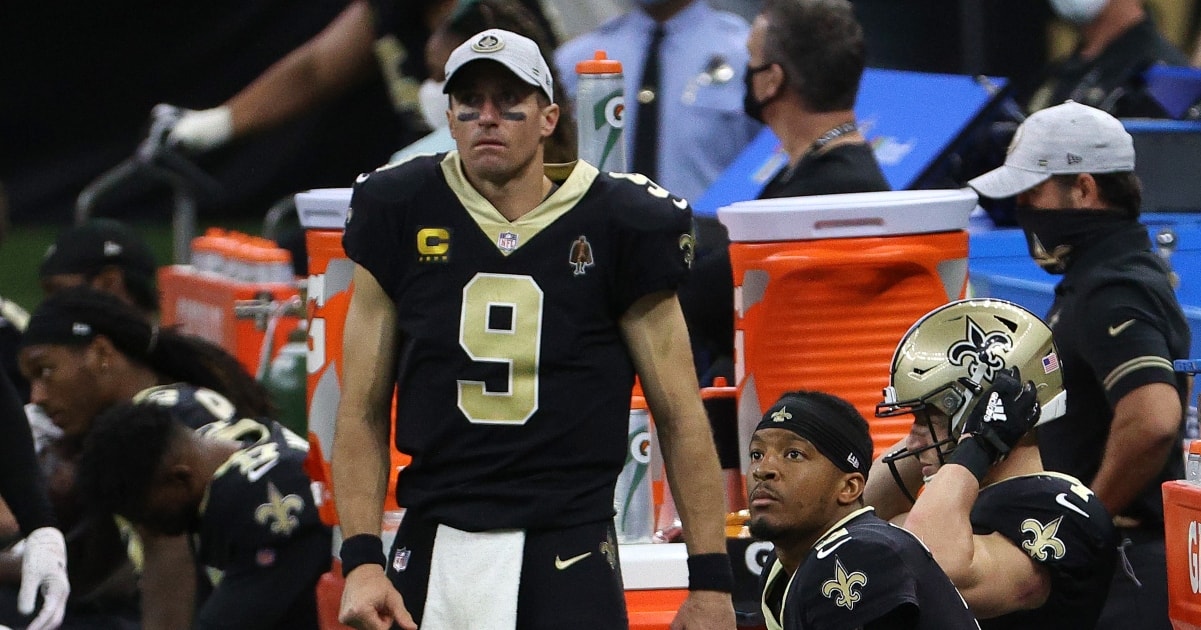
{"x":637,"y":202}
{"x":194,"y":406}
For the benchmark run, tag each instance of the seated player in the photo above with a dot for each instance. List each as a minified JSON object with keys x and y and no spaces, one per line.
{"x":836,"y":564}
{"x":238,"y":487}
{"x":988,"y":508}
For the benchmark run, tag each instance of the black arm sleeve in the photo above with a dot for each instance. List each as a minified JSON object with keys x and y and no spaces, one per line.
{"x":21,"y":481}
{"x":279,"y":596}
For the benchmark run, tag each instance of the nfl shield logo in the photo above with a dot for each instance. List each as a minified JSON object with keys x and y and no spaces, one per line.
{"x":400,"y":561}
{"x":507,"y":241}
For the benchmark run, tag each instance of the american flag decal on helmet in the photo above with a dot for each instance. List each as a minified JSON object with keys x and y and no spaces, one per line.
{"x":1050,"y":363}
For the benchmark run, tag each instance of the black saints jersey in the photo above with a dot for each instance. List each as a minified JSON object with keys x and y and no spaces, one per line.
{"x":864,"y":569}
{"x":514,"y":381}
{"x":1063,"y":526}
{"x":194,"y":406}
{"x":259,"y":531}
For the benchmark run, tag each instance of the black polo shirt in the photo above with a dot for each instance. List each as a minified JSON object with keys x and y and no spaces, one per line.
{"x":1117,"y":326}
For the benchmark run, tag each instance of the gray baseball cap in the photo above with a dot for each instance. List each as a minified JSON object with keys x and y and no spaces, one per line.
{"x":517,"y":53}
{"x":1061,"y":140}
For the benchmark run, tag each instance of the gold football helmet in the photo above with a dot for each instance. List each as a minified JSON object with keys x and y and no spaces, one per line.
{"x":950,"y":356}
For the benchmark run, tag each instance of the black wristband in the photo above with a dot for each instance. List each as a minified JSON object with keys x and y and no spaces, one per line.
{"x":361,"y":549}
{"x":970,"y":454}
{"x":710,"y":572}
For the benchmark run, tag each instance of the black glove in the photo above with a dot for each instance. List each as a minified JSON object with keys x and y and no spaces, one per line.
{"x":1007,"y":412}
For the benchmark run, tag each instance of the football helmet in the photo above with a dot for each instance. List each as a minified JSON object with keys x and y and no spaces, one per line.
{"x":950,"y":356}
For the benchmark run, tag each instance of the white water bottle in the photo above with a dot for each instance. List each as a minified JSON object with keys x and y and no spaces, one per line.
{"x":600,"y":109}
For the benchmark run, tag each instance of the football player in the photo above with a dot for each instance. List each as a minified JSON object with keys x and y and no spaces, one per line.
{"x":835,"y":564}
{"x":1027,"y":548}
{"x":512,"y":356}
{"x":238,"y":486}
{"x":84,"y":351}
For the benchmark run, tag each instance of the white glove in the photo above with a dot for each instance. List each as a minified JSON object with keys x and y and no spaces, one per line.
{"x":44,"y":570}
{"x":202,"y":130}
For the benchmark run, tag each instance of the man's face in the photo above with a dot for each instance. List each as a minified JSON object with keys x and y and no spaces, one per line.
{"x":754,"y":41}
{"x":62,"y":381}
{"x":928,"y":428}
{"x":792,"y":487}
{"x":498,"y":121}
{"x":1049,"y":195}
{"x":172,"y":507}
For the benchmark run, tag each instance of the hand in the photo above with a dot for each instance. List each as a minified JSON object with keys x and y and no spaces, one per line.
{"x":705,"y":610}
{"x":369,"y":602}
{"x":1008,"y":411}
{"x":44,"y":570}
{"x":200,"y":130}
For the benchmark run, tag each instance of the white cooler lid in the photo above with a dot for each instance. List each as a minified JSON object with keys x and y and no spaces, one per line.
{"x":323,"y":208}
{"x":851,"y":215}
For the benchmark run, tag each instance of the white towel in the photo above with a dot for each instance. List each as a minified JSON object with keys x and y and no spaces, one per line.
{"x":474,"y":577}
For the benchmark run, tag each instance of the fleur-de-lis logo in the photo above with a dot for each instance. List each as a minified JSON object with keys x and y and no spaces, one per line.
{"x":978,"y":351}
{"x":1044,"y":544}
{"x":277,"y":511}
{"x":1055,"y":259}
{"x":608,"y":549}
{"x":843,"y":585}
{"x":780,"y":415}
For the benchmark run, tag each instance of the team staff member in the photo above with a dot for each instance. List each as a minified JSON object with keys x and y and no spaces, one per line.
{"x":1118,"y":327}
{"x":509,"y":311}
{"x":835,"y":564}
{"x":805,"y":60}
{"x":988,"y":508}
{"x":237,"y":486}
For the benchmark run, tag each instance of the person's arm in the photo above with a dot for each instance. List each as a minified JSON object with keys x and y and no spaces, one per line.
{"x":21,"y":481}
{"x":657,"y":338}
{"x":1145,"y":425}
{"x":255,"y":596}
{"x":361,"y":460}
{"x":168,"y":581}
{"x":992,"y":574}
{"x":338,"y":57}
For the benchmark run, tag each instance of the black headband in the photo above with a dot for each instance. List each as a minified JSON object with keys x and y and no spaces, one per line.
{"x":57,"y":327}
{"x":847,"y":444}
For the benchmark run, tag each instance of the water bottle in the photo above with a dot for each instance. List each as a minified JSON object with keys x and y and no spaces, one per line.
{"x":286,"y":379}
{"x":632,"y":499}
{"x":600,"y":109}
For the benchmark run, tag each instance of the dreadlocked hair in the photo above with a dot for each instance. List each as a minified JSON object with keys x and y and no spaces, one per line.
{"x":121,"y":454}
{"x":77,"y":315}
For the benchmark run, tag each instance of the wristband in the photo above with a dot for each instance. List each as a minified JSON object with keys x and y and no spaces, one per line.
{"x":361,"y":549}
{"x":972,"y":456}
{"x":710,"y":572}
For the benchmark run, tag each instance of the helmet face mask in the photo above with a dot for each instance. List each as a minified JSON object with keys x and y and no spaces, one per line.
{"x":950,"y":356}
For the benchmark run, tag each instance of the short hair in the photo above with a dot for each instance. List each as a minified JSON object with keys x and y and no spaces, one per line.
{"x":1122,"y":190}
{"x":122,"y":454}
{"x":821,"y":47}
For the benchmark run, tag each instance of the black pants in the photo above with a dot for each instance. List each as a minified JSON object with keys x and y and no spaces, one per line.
{"x":1130,"y":605}
{"x":555,"y":592}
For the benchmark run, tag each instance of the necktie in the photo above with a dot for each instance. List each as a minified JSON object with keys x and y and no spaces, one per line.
{"x":646,"y":139}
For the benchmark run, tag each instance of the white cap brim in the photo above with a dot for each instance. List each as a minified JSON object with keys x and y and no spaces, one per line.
{"x":1007,"y":181}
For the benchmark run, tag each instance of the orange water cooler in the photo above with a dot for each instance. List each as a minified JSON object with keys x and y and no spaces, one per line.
{"x":826,"y":286}
{"x":1182,"y":535}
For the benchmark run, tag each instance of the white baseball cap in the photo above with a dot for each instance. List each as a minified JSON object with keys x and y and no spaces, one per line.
{"x":1061,"y":140}
{"x":517,"y":53}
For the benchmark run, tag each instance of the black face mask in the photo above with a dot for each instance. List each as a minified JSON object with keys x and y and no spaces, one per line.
{"x":1054,"y":236}
{"x":750,"y":105}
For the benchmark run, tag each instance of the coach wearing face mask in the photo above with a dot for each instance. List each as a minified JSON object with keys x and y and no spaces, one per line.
{"x":1118,"y":326}
{"x":805,"y":59}
{"x":1117,"y":42}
